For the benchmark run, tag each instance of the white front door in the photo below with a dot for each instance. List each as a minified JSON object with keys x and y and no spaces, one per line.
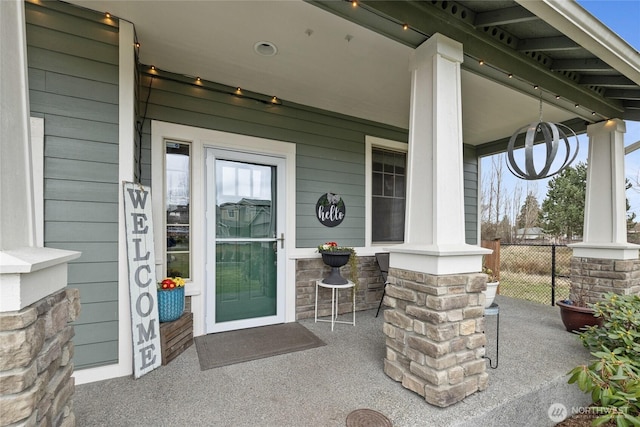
{"x":245,"y":277}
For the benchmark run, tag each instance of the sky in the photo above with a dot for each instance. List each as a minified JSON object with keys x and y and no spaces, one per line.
{"x":623,"y":18}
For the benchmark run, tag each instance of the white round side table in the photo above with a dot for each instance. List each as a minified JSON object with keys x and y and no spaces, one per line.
{"x":334,"y":302}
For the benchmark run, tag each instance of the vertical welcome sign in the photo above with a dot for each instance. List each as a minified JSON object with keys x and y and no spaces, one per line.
{"x":142,"y":279}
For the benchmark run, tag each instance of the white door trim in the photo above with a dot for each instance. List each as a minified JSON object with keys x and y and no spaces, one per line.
{"x":212,"y":154}
{"x":201,"y":139}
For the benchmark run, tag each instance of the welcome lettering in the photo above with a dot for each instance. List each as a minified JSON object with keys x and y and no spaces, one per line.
{"x":141,"y":259}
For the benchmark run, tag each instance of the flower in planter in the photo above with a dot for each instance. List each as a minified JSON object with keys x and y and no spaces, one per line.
{"x":333,"y":247}
{"x":330,"y":247}
{"x":169,"y":283}
{"x":491,"y":275}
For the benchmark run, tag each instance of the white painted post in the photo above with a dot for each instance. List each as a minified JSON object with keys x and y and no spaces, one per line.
{"x":17,"y":222}
{"x":605,"y":218}
{"x":27,"y":273}
{"x":434,"y":229}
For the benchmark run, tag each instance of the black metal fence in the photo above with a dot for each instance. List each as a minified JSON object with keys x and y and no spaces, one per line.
{"x":537,"y":273}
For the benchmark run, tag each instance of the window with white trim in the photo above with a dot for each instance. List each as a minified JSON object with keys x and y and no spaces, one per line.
{"x":388,"y":184}
{"x":177,"y":206}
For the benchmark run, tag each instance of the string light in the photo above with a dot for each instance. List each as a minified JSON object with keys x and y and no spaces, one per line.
{"x":274,"y":100}
{"x":405,"y":27}
{"x":137,"y":45}
{"x":107,"y":15}
{"x":354,"y":3}
{"x":153,"y":68}
{"x":481,"y":62}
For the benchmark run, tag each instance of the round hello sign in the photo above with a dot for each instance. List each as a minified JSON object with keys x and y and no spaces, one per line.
{"x":330,"y":210}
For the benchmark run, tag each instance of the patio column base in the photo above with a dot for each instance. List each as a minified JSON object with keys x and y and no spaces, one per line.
{"x":36,"y":351}
{"x":592,"y":277}
{"x":435,"y":334}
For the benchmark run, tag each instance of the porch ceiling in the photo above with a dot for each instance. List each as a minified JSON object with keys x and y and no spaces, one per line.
{"x":354,"y":60}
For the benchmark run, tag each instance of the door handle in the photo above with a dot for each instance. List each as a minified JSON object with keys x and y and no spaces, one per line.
{"x":281,"y":240}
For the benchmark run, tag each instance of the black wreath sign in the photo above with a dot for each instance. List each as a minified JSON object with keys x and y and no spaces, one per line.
{"x":330,"y":210}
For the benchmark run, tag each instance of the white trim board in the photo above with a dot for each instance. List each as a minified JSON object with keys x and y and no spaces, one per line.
{"x":200,"y":139}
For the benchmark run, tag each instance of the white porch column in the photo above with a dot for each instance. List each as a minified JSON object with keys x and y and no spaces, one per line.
{"x":16,"y":228}
{"x":27,"y":273}
{"x":35,"y":307}
{"x":434,"y":229}
{"x":605,"y":218}
{"x":435,"y":325}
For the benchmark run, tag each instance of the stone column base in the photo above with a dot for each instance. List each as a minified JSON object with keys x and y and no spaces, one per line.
{"x":35,"y":362}
{"x":435,"y":334}
{"x":592,"y":277}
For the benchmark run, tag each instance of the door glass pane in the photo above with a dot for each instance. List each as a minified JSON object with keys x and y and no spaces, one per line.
{"x":244,"y":200}
{"x":246,"y":268}
{"x":245,"y":280}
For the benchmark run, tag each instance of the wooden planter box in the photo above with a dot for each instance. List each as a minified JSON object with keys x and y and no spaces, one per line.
{"x":176,"y":337}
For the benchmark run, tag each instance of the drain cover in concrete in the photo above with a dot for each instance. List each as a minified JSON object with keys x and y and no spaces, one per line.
{"x":367,"y":418}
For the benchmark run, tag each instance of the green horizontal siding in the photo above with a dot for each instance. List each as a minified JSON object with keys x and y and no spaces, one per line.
{"x":95,"y":354}
{"x":93,"y":251}
{"x":78,"y":149}
{"x":470,"y":167}
{"x":73,"y":85}
{"x":330,"y":149}
{"x":74,"y":211}
{"x":101,"y":335}
{"x":81,"y":191}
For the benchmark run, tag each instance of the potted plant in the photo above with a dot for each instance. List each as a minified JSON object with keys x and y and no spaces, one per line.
{"x":613,"y":380}
{"x":335,"y":257}
{"x":492,"y":286}
{"x":170,"y":299}
{"x":575,"y":313}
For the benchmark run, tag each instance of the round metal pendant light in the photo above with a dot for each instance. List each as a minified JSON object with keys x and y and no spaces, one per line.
{"x":551,"y":134}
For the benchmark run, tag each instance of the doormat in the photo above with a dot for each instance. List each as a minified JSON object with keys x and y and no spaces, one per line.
{"x":227,"y":348}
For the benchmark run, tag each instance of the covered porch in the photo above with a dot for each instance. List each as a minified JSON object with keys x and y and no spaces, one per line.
{"x":445,"y":70}
{"x":322,"y":386}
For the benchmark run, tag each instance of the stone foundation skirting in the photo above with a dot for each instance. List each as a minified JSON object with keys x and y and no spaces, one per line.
{"x":592,"y":277}
{"x":36,"y":385}
{"x":309,"y":270}
{"x":435,"y":334}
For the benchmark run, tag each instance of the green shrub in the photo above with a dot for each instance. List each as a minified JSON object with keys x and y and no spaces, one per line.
{"x":613,"y":379}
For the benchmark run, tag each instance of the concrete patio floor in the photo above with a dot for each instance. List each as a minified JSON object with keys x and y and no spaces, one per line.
{"x":321,"y":386}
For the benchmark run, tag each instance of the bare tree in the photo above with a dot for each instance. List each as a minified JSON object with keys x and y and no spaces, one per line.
{"x":514,"y":206}
{"x":494,"y":203}
{"x":497,"y":183}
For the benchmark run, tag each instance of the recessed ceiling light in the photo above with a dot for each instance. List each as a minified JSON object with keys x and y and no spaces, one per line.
{"x":265,"y":48}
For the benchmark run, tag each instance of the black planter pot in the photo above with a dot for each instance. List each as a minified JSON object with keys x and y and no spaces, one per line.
{"x":335,"y":260}
{"x":576,"y":318}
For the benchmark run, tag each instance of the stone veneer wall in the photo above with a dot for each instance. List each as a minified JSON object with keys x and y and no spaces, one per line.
{"x":309,"y":270}
{"x":592,"y":277}
{"x":36,"y":385}
{"x":435,"y":334}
